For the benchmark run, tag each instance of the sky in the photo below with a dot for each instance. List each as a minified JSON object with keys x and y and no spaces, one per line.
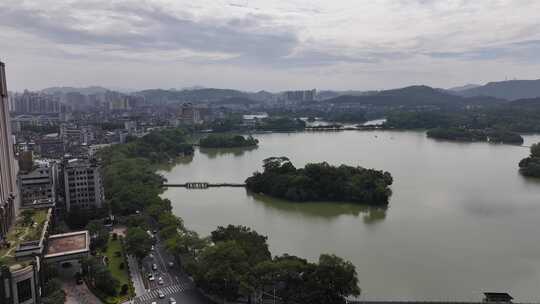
{"x":268,"y":44}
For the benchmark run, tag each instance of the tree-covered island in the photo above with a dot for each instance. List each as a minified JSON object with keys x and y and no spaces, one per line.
{"x":473,"y":135}
{"x":228,"y":141}
{"x":530,"y":166}
{"x":321,"y":182}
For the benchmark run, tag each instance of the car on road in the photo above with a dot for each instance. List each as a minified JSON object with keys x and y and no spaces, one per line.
{"x":152,"y":248}
{"x":154,"y":302}
{"x":151,"y":278}
{"x":172,"y":301}
{"x":161,"y":295}
{"x":160,"y":281}
{"x":171,"y":264}
{"x":154,"y":266}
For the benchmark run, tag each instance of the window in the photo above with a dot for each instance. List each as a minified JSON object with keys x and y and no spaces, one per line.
{"x":24,"y":290}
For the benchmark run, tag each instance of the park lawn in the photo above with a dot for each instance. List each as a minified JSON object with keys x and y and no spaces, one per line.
{"x":122,"y":275}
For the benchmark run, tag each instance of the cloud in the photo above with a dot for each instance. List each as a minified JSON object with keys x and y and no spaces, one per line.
{"x":138,"y":28}
{"x":524,"y":51}
{"x":361,"y":43}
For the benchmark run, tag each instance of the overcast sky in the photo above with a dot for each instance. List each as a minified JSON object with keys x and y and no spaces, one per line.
{"x":268,"y":44}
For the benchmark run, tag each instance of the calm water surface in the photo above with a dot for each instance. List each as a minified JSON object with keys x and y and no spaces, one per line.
{"x":461,"y":219}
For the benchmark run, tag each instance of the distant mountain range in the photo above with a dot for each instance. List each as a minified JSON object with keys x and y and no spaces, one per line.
{"x":464,"y":87}
{"x":192,"y":95}
{"x":510,"y":90}
{"x":413,"y":96}
{"x":85,"y":91}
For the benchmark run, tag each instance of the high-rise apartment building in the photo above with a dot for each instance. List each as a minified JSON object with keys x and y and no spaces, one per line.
{"x":36,"y":103}
{"x":9,"y":200}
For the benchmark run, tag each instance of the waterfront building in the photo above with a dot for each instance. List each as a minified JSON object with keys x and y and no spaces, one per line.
{"x":83,"y":187}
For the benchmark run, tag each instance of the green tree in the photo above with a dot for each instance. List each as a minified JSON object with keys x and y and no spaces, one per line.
{"x":138,"y":242}
{"x":99,"y":276}
{"x":253,"y":244}
{"x":98,"y":233}
{"x":53,"y":292}
{"x":223,"y":271}
{"x":535,"y":150}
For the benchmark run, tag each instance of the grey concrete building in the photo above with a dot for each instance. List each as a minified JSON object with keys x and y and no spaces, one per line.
{"x":83,"y":185}
{"x":38,"y":185}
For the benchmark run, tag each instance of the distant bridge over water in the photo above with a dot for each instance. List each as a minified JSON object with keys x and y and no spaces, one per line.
{"x":204,"y":185}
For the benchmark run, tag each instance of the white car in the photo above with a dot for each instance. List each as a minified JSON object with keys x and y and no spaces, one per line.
{"x":151,"y":278}
{"x":154,"y":266}
{"x":161,"y":295}
{"x":172,"y":301}
{"x":160,"y":281}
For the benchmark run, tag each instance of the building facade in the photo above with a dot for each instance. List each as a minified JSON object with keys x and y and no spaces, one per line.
{"x":189,"y":115}
{"x":83,"y":187}
{"x":36,"y":103}
{"x":9,"y":199}
{"x":38,"y":185}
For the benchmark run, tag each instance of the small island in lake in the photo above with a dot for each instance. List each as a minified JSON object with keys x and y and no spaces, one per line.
{"x":473,"y":135}
{"x":321,"y":182}
{"x":228,"y":141}
{"x":530,"y":166}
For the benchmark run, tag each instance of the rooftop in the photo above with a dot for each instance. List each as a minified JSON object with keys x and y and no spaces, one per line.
{"x":29,"y":227}
{"x":67,"y":243}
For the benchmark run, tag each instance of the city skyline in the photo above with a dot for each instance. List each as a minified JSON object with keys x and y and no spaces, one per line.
{"x":361,"y":45}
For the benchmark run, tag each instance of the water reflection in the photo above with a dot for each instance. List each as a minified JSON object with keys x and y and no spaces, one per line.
{"x":327,"y":210}
{"x":215,"y":152}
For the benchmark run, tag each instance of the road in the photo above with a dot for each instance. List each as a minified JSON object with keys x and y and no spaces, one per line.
{"x":175,"y":283}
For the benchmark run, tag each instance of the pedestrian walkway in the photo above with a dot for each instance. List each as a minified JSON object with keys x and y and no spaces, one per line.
{"x":136,"y":276}
{"x":79,"y":294}
{"x":167,"y":290}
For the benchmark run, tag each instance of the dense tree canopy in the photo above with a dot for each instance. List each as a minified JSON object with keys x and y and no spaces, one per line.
{"x":98,"y":233}
{"x":239,"y":264}
{"x":464,"y":134}
{"x":99,"y":275}
{"x":228,"y":141}
{"x":520,"y":117}
{"x":251,"y":242}
{"x":138,"y":242}
{"x":321,"y":182}
{"x":130,"y":181}
{"x":530,"y":166}
{"x":223,"y":270}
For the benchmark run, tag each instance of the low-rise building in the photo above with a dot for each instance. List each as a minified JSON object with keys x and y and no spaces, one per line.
{"x":23,"y":259}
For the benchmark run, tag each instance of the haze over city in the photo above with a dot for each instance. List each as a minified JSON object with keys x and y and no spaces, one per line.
{"x":271,"y":45}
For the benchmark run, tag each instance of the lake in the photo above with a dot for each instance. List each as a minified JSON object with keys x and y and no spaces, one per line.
{"x":461,"y":219}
